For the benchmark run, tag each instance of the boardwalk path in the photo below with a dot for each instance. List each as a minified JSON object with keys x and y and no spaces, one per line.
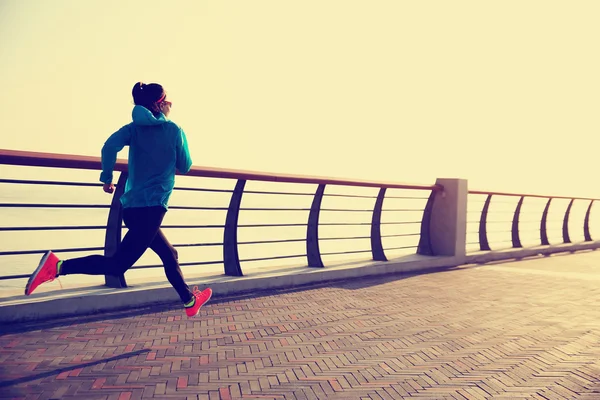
{"x":528,"y":329}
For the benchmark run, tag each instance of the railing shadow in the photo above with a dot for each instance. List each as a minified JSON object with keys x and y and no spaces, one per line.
{"x":29,"y":378}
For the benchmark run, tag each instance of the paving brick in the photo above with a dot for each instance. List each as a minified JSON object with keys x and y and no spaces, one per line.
{"x":516,"y":330}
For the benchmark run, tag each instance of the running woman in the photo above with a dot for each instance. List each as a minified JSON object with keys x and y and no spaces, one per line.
{"x":157,"y":148}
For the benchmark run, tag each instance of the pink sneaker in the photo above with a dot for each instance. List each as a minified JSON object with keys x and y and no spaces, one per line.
{"x":201,"y":298}
{"x":45,"y":272}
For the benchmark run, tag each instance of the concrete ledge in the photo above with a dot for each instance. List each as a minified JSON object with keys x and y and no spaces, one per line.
{"x":93,"y":300}
{"x":98,"y":299}
{"x":512,"y":254}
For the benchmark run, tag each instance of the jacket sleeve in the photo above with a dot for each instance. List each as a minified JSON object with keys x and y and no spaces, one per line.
{"x":112,"y":146}
{"x":184,"y":160}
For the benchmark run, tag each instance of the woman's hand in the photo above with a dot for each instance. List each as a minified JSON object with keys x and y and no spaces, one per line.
{"x":108,"y":187}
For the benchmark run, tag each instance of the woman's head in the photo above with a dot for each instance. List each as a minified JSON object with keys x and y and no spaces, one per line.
{"x":152,"y":96}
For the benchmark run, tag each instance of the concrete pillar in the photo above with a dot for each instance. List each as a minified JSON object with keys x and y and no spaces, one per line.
{"x":448,"y":226}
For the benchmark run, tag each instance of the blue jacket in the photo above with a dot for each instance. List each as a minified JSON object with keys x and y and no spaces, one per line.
{"x":157,"y":147}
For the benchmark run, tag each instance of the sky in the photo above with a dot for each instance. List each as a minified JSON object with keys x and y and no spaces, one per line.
{"x":504,"y":94}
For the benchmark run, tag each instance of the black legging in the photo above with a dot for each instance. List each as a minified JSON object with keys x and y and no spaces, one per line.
{"x":144,"y":231}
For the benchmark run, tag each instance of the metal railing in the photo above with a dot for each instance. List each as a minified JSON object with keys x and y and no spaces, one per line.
{"x":516,"y":221}
{"x":230,"y":244}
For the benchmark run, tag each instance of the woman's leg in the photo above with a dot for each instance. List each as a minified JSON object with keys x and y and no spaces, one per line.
{"x":168,"y":255}
{"x":143,"y":224}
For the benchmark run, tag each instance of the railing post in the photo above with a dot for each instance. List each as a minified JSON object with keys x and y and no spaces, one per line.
{"x":112,"y":238}
{"x":312,"y":234}
{"x":544,"y":224}
{"x":586,"y":224}
{"x":376,"y":245}
{"x":516,"y":239}
{"x":565,"y":229}
{"x":448,"y":220}
{"x":484,"y":244}
{"x":424,"y":247}
{"x":231,"y":257}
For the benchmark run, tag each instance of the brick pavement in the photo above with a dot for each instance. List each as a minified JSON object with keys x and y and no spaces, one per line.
{"x":523,"y":330}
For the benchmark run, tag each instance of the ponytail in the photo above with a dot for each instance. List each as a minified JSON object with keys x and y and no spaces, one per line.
{"x":147,"y":95}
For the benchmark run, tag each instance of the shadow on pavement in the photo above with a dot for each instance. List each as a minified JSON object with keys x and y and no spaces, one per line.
{"x":69,"y":368}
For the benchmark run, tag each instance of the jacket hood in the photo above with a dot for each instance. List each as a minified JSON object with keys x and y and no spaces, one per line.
{"x":142,"y":116}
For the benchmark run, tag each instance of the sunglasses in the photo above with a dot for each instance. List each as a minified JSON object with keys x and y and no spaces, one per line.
{"x":163,"y":101}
